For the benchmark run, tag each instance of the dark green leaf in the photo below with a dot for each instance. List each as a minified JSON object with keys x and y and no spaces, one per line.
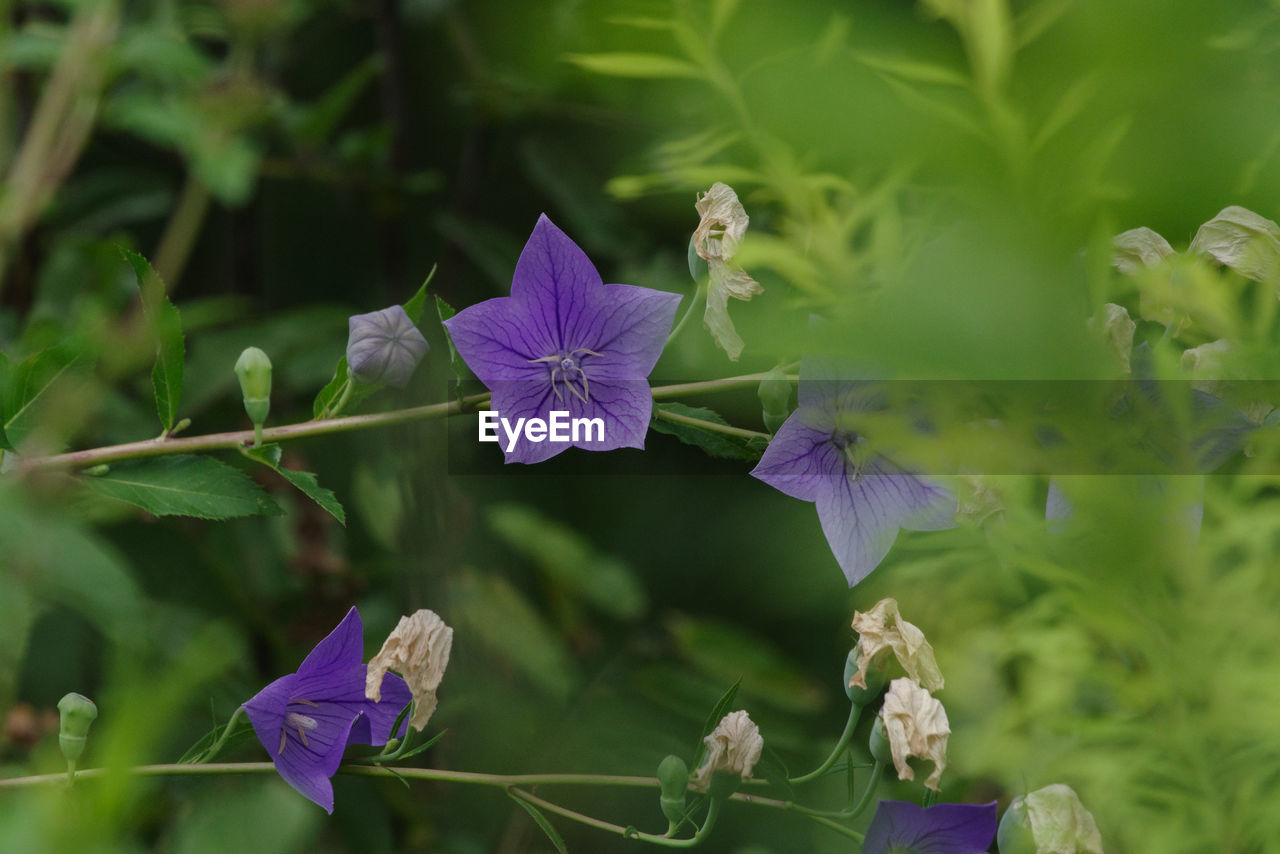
{"x":304,"y":481}
{"x":332,"y":393}
{"x":715,"y":444}
{"x":542,"y":822}
{"x":718,"y":711}
{"x":166,"y":328}
{"x":418,"y":301}
{"x":29,"y":384}
{"x":185,"y":486}
{"x":425,"y":746}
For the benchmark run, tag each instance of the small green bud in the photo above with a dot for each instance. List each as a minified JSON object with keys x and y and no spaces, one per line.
{"x":1014,"y":835}
{"x":877,"y":676}
{"x":879,"y":743}
{"x":775,"y":399}
{"x":673,"y":775}
{"x":254,"y":370}
{"x":76,"y":712}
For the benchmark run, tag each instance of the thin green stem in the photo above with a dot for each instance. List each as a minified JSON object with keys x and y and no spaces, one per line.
{"x":868,"y":793}
{"x":181,"y":231}
{"x":335,"y":408}
{"x":240,"y":438}
{"x":698,"y":296}
{"x":222,"y":739}
{"x":710,"y":425}
{"x":855,"y":711}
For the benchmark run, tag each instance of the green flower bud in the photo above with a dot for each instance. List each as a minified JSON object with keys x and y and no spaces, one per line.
{"x":76,"y":712}
{"x":1014,"y":835}
{"x":775,"y":399}
{"x":254,"y":370}
{"x":876,"y":677}
{"x":879,"y":743}
{"x":673,"y":775}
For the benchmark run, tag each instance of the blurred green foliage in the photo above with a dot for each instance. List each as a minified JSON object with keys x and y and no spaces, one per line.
{"x":941,"y":180}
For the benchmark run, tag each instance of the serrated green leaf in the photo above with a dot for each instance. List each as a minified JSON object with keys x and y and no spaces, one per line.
{"x":564,"y":556}
{"x":542,"y":821}
{"x":166,"y":327}
{"x":715,"y":444}
{"x":304,"y":481}
{"x":638,"y":65}
{"x":418,"y":301}
{"x":29,"y":384}
{"x":185,"y":485}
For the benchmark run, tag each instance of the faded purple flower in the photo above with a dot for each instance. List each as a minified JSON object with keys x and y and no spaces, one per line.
{"x":901,"y":827}
{"x":383,"y":347}
{"x":305,"y":720}
{"x":862,"y":499}
{"x":566,"y":341}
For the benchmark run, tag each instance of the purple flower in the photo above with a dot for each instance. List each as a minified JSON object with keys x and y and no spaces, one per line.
{"x":904,"y":827}
{"x":565,"y":341}
{"x":383,"y":347}
{"x":862,"y":499}
{"x":305,"y":720}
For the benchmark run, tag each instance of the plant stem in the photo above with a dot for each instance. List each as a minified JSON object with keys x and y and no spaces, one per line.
{"x":688,"y":312}
{"x":241,"y":438}
{"x":222,"y":739}
{"x":709,"y":425}
{"x":181,"y":231}
{"x":854,"y":712}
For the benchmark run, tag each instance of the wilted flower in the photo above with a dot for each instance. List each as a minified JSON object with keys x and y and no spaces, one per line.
{"x":1049,"y":821}
{"x":901,"y":827}
{"x":383,"y":347}
{"x":882,"y":631}
{"x":1116,"y":329}
{"x":305,"y":720}
{"x":862,"y":499}
{"x":1242,"y":240}
{"x":1138,"y":248}
{"x":418,"y":649}
{"x":733,"y":748}
{"x":916,"y":725}
{"x":716,"y":239}
{"x":564,"y":340}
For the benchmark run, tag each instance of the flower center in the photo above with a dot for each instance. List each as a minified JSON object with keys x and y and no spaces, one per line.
{"x":300,"y":722}
{"x":849,"y":443}
{"x":565,"y":371}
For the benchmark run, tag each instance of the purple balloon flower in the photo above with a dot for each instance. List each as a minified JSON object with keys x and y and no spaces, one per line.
{"x":305,"y":720}
{"x":862,"y":499}
{"x":901,"y":826}
{"x":565,"y":341}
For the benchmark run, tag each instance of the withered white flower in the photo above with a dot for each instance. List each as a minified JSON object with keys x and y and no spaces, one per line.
{"x":916,"y":725}
{"x":882,"y":630}
{"x":418,"y":649}
{"x":1242,"y":240}
{"x":1116,"y":328}
{"x":723,"y":225}
{"x":1138,"y":248}
{"x":1058,"y":822}
{"x":733,"y":747}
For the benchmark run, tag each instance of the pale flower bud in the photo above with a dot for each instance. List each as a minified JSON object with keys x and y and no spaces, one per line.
{"x":1049,"y":821}
{"x":418,"y":649}
{"x":916,"y":725}
{"x":1242,"y":240}
{"x":882,"y":630}
{"x":383,"y":347}
{"x":733,"y":748}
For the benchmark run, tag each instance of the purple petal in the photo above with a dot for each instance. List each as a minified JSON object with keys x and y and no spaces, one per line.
{"x":625,"y":324}
{"x":376,"y":719}
{"x":552,"y":280}
{"x":800,"y":456}
{"x":497,"y":341}
{"x":624,"y":407}
{"x":266,"y":711}
{"x":861,"y":517}
{"x":940,"y":829}
{"x":308,"y":765}
{"x":343,"y":646}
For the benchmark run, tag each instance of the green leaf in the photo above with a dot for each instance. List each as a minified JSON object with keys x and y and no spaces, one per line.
{"x":5,"y":444}
{"x":563,"y":555}
{"x":304,"y":481}
{"x":185,"y":485}
{"x":914,"y":70}
{"x":718,"y":711}
{"x":166,"y":327}
{"x":445,"y":311}
{"x":638,"y":65}
{"x":418,"y":301}
{"x":327,"y":399}
{"x":29,"y":385}
{"x":542,"y":822}
{"x":715,"y":444}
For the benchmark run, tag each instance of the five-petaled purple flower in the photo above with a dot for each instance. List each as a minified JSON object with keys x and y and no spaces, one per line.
{"x":901,"y":827}
{"x":565,"y":341}
{"x":306,"y":719}
{"x":863,"y":499}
